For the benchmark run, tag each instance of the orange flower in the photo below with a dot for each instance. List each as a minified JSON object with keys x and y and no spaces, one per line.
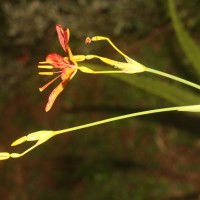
{"x":67,"y":67}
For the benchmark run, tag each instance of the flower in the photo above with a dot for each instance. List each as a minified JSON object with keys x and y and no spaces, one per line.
{"x":67,"y":67}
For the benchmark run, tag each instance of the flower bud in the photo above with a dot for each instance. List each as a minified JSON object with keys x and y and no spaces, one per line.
{"x":38,"y":135}
{"x":4,"y":155}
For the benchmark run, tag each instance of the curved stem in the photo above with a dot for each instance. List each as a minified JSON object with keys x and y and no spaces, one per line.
{"x":6,"y":155}
{"x":194,"y":85}
{"x":117,"y":118}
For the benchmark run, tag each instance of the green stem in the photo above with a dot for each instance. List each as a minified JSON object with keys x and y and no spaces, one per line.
{"x":117,"y":118}
{"x":174,"y":78}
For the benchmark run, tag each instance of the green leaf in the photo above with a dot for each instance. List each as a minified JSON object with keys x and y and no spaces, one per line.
{"x":192,"y":51}
{"x":169,"y":91}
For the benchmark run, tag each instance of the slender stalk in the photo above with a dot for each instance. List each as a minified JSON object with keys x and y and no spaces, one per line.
{"x":42,"y":139}
{"x":103,"y":72}
{"x":194,"y":85}
{"x":117,"y":118}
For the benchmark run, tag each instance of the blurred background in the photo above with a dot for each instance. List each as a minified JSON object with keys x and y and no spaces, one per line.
{"x":148,"y":157}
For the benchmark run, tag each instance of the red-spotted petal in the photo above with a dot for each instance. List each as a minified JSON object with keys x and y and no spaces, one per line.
{"x":67,"y":73}
{"x":57,"y":61}
{"x":54,"y":94}
{"x":71,"y":57}
{"x":63,"y":36}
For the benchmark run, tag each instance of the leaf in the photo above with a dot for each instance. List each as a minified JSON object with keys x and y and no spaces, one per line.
{"x":171,"y":92}
{"x":192,"y":51}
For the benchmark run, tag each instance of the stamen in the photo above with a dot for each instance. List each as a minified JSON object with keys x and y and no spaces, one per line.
{"x":49,"y":83}
{"x":57,"y":72}
{"x":45,"y":66}
{"x":46,"y":73}
{"x":43,"y":62}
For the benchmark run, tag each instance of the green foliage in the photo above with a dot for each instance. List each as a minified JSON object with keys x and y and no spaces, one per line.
{"x":94,"y":173}
{"x":192,"y":51}
{"x":171,"y":91}
{"x":168,"y":90}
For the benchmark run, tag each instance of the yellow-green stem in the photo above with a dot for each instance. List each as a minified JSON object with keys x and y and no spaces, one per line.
{"x":117,"y":118}
{"x":194,"y":85}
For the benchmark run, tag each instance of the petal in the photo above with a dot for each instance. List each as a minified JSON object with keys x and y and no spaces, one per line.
{"x":67,"y":73}
{"x":71,"y":58}
{"x":56,"y":60}
{"x":63,"y":36}
{"x":53,"y":96}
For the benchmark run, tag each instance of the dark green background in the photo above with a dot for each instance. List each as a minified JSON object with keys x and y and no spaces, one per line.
{"x":151,"y":157}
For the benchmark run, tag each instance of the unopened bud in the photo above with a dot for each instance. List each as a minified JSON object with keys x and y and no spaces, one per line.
{"x":19,"y":141}
{"x":4,"y":155}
